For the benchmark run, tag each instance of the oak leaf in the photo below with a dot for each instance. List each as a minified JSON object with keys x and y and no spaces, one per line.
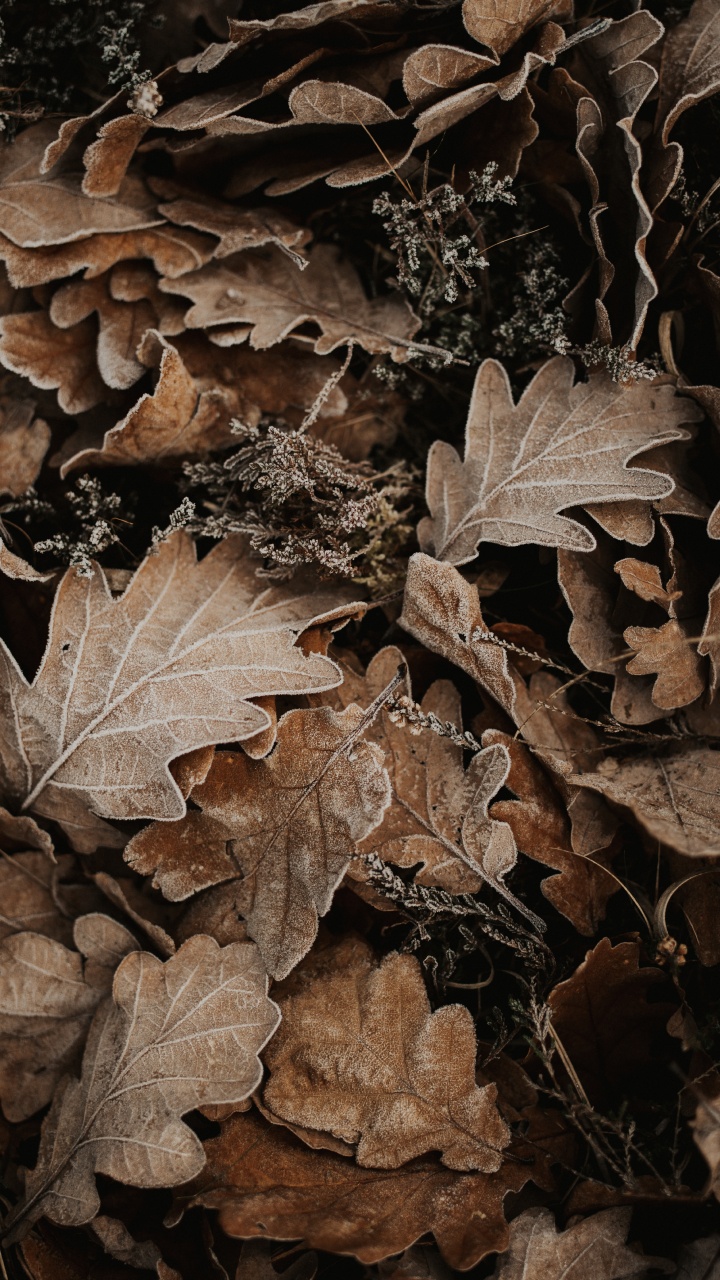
{"x":128,"y":684}
{"x":172,"y":250}
{"x":610,"y":1031}
{"x":48,"y":996}
{"x":265,"y":1182}
{"x":29,"y":896}
{"x":24,"y":441}
{"x":360,"y":1054}
{"x":54,"y":358}
{"x":266,"y":291}
{"x":674,"y":797}
{"x":238,"y":229}
{"x":285,"y":827}
{"x":592,"y":1249}
{"x":172,"y":1037}
{"x":690,"y":67}
{"x":562,"y":445}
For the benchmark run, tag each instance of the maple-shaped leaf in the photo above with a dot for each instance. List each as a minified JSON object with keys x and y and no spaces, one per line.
{"x":561,"y":446}
{"x":172,"y":1037}
{"x":48,"y":995}
{"x":592,"y":1249}
{"x":265,"y":1182}
{"x":674,"y":796}
{"x":360,"y":1054}
{"x":128,"y":684}
{"x":285,"y":827}
{"x":264,"y":290}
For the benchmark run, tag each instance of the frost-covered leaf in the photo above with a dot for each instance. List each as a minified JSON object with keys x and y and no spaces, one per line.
{"x":128,"y":684}
{"x":285,"y":827}
{"x":172,"y":1036}
{"x":360,"y":1054}
{"x":561,"y":446}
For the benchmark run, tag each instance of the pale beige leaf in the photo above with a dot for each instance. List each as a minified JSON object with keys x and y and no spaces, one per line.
{"x":24,"y":441}
{"x":562,"y":445}
{"x":128,"y":684}
{"x":442,"y":611}
{"x":265,"y":290}
{"x":172,"y":250}
{"x":435,"y":67}
{"x":329,"y":102}
{"x":499,"y":23}
{"x":675,"y":797}
{"x":671,"y":653}
{"x":117,"y":1241}
{"x":15,"y":567}
{"x":121,"y":326}
{"x":177,"y":419}
{"x":48,"y":210}
{"x":54,"y":358}
{"x":285,"y":827}
{"x":238,"y":229}
{"x":174,"y":1036}
{"x":106,"y":160}
{"x":360,"y":1054}
{"x":48,"y":996}
{"x":690,"y":68}
{"x":591,"y":1249}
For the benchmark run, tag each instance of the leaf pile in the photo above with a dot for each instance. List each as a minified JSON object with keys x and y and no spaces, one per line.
{"x":360,"y":640}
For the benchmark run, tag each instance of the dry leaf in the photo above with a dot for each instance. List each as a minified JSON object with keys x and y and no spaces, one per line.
{"x":360,"y":1054}
{"x":172,"y":1037}
{"x":285,"y":826}
{"x":266,"y":1183}
{"x":706,"y":1132}
{"x":591,"y":1249}
{"x":266,"y":291}
{"x":674,"y":797}
{"x":500,"y":23}
{"x":121,"y":327}
{"x":255,"y":1263}
{"x":54,"y":358}
{"x":173,"y":252}
{"x":560,"y":446}
{"x":541,"y":828}
{"x":605,"y":1022}
{"x":48,"y":996}
{"x":121,"y":1245}
{"x":128,"y":684}
{"x":24,"y":441}
{"x":238,"y":229}
{"x":29,"y":897}
{"x":690,"y":68}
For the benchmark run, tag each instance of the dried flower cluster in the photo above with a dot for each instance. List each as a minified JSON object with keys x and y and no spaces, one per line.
{"x":360,"y":841}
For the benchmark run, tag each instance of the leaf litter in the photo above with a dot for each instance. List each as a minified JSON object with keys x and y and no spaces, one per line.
{"x":359,"y":640}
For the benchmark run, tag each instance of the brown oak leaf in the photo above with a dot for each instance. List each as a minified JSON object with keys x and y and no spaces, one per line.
{"x":127,"y":684}
{"x":285,"y":827}
{"x":265,"y":1182}
{"x":172,"y":1037}
{"x":264,"y":290}
{"x":592,"y":1249}
{"x":24,"y":441}
{"x":360,"y":1054}
{"x":562,"y":445}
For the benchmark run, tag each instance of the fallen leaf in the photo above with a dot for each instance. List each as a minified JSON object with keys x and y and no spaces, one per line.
{"x":255,"y":1263}
{"x":121,"y":1245}
{"x":360,"y":1054}
{"x":706,"y":1132}
{"x":24,"y":441}
{"x":265,"y":290}
{"x":28,"y":892}
{"x":434,"y":67}
{"x":265,"y":1182}
{"x":121,"y":326}
{"x":238,"y":229}
{"x":48,"y":996}
{"x":690,"y":67}
{"x":284,"y":826}
{"x":172,"y":250}
{"x":673,"y":796}
{"x":500,"y":23}
{"x":605,"y":1022}
{"x":128,"y":684}
{"x":174,"y":1036}
{"x":54,"y":358}
{"x":593,"y":1248}
{"x":560,"y":446}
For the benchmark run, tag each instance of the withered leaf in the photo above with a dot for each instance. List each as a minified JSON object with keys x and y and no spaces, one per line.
{"x":238,"y":229}
{"x":172,"y":250}
{"x":265,"y":1182}
{"x":675,"y":797}
{"x":54,"y":358}
{"x":434,"y":67}
{"x":40,"y":210}
{"x":360,"y":1054}
{"x":285,"y":827}
{"x":706,"y":1132}
{"x":499,"y":23}
{"x":562,"y":445}
{"x":690,"y":68}
{"x":265,"y":290}
{"x":177,"y":419}
{"x":608,"y":1028}
{"x":121,"y":326}
{"x":24,"y":441}
{"x":28,"y":897}
{"x":48,"y":996}
{"x":174,"y":1036}
{"x":128,"y":684}
{"x":593,"y":1248}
